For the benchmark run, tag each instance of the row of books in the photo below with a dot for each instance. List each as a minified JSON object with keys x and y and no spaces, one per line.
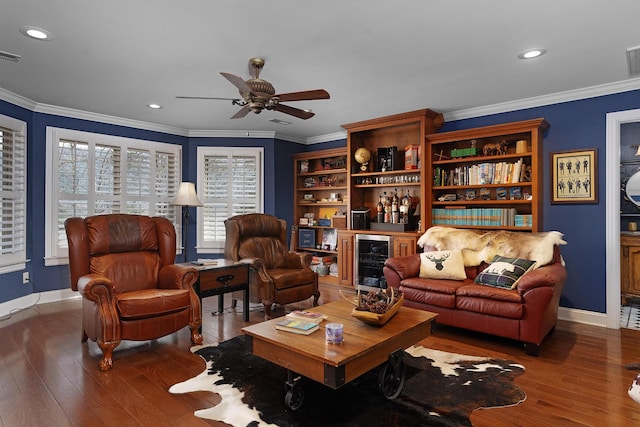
{"x":481,"y":173}
{"x":475,"y":216}
{"x":524,"y":221}
{"x":322,"y":259}
{"x":301,"y":322}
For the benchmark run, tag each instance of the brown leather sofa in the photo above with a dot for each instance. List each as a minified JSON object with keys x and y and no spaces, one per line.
{"x":278,"y":276}
{"x":527,"y":313}
{"x":123,"y":266}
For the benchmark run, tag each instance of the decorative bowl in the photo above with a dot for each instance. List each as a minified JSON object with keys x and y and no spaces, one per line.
{"x":376,"y":318}
{"x":371,"y":318}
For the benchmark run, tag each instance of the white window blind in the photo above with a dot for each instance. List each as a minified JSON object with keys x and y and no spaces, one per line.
{"x":13,"y":212}
{"x":230,"y":183}
{"x":92,"y":174}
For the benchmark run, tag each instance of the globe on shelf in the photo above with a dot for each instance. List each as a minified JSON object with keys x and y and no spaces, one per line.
{"x":362,"y":156}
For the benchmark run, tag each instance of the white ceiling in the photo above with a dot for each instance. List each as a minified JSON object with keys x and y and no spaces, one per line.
{"x":374,"y":58}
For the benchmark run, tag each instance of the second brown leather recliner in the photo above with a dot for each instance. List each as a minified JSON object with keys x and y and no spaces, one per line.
{"x":278,"y":276}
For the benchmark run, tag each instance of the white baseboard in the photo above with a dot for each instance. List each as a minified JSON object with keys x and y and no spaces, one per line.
{"x":582,"y":316}
{"x":22,"y":303}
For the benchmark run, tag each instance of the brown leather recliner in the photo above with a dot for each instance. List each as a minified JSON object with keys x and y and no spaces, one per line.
{"x":278,"y":275}
{"x":123,"y":265}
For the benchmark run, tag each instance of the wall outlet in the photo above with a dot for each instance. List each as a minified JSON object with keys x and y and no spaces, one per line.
{"x":25,"y":277}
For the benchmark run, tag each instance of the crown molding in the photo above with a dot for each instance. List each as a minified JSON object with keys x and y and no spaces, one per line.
{"x":537,"y":101}
{"x":16,"y":99}
{"x":326,"y":138}
{"x":543,"y":100}
{"x":104,"y":118}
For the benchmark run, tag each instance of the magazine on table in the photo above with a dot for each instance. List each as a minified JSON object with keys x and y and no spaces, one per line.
{"x":297,"y":326}
{"x":306,"y":316}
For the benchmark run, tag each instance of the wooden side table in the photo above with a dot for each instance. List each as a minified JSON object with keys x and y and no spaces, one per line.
{"x":220,"y":278}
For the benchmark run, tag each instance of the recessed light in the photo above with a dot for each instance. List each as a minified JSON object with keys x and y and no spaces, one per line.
{"x":36,"y":33}
{"x":154,"y":106}
{"x":532,"y":53}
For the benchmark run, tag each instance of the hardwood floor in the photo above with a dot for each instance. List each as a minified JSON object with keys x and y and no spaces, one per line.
{"x":49,"y":378}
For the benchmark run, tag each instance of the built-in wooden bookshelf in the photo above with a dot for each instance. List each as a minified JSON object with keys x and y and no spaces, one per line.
{"x":321,"y":205}
{"x":489,"y":177}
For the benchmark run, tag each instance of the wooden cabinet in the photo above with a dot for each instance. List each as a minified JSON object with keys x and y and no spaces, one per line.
{"x":404,"y":245}
{"x":321,"y":199}
{"x":630,"y":265}
{"x":345,"y":258}
{"x":386,"y":139}
{"x":487,"y":178}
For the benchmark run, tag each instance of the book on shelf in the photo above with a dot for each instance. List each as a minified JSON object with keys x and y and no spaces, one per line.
{"x":297,"y":326}
{"x":515,"y":193}
{"x":306,"y":316}
{"x":482,"y":173}
{"x":322,"y":259}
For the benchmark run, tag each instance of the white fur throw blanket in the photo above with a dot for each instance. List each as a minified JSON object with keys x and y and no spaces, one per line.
{"x":478,"y":246}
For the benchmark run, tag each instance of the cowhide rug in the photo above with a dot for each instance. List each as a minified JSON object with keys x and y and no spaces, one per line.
{"x":440,"y":389}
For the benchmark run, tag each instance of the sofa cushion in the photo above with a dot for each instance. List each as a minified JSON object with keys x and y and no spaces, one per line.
{"x":490,"y":300}
{"x":152,"y":302}
{"x":504,"y":272}
{"x":442,"y":265}
{"x":438,"y":292}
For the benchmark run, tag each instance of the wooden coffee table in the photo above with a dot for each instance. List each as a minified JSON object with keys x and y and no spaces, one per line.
{"x":365,"y":347}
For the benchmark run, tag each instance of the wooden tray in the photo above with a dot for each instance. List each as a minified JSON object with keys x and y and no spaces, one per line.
{"x":378,"y":319}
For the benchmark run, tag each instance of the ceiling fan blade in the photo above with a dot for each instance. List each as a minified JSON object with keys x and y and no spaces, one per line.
{"x":237,"y":82}
{"x":208,"y":97}
{"x":241,"y":113}
{"x":304,"y":95}
{"x":296,"y":112}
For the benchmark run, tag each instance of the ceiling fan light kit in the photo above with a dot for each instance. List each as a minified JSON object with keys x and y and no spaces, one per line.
{"x":258,"y":94}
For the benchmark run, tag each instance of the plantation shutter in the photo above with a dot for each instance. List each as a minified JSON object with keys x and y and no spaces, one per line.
{"x":98,"y":174}
{"x":12,"y":195}
{"x":230,"y":183}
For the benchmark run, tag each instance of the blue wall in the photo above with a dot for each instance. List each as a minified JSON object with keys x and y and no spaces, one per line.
{"x":573,"y":125}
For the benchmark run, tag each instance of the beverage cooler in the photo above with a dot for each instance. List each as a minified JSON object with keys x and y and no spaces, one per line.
{"x":371,"y":251}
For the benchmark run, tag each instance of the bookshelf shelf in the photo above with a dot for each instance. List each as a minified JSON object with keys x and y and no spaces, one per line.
{"x":498,"y":188}
{"x":321,"y":176}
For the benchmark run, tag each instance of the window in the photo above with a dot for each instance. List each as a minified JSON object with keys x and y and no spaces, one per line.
{"x":13,"y":216}
{"x":92,"y":174}
{"x":229,"y":183}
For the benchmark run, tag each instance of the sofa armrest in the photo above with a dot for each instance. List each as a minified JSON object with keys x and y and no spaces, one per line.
{"x":398,"y":268}
{"x":549,"y":275}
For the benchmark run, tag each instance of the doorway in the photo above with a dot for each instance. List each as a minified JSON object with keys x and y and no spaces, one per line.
{"x":612,"y":203}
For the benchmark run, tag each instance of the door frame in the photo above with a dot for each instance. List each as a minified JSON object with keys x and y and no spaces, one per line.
{"x":612,"y":204}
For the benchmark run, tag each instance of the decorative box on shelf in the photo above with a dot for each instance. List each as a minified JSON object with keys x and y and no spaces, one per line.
{"x":339,"y":221}
{"x":306,"y":238}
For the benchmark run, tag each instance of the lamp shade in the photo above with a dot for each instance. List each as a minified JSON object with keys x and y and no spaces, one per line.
{"x":187,"y":195}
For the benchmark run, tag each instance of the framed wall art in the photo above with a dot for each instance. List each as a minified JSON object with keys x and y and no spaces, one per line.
{"x":574,"y":176}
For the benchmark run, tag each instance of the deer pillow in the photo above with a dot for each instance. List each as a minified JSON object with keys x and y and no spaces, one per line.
{"x":442,"y":265}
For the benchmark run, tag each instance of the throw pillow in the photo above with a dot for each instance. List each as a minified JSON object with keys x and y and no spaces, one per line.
{"x":504,"y":272}
{"x":442,"y":265}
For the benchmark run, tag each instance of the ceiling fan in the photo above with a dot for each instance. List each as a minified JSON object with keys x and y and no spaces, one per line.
{"x":258,"y":94}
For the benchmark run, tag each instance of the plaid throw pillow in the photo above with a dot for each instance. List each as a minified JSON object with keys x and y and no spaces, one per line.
{"x":504,"y":272}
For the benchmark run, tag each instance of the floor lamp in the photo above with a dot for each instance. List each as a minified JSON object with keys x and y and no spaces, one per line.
{"x":186,"y":197}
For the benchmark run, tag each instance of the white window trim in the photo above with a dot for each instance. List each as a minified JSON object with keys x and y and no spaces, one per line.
{"x":53,"y":254}
{"x":202,"y":152}
{"x":18,"y":260}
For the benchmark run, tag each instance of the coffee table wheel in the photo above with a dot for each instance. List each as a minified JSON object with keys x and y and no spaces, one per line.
{"x":392,"y":376}
{"x":294,"y":394}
